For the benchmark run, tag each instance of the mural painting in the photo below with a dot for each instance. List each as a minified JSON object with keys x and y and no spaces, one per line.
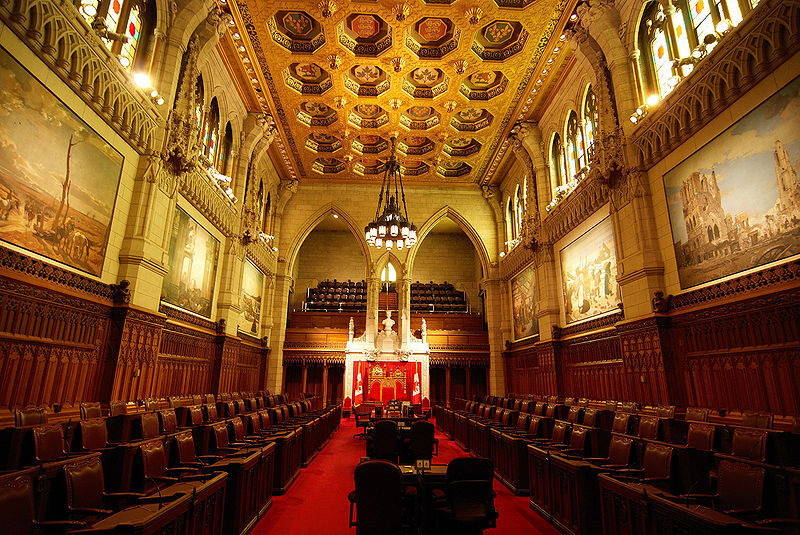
{"x":735,"y":203}
{"x":523,"y":303}
{"x":252,"y":292}
{"x":589,"y":273}
{"x":193,"y":253}
{"x":61,"y":205}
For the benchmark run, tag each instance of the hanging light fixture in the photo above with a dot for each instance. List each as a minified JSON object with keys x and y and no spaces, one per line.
{"x":391,"y":228}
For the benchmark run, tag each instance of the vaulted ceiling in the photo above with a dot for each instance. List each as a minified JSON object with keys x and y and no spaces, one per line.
{"x":447,"y":78}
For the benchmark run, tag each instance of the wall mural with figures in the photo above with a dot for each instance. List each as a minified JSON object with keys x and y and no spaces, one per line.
{"x":193,"y":253}
{"x":589,"y":273}
{"x":252,"y":292}
{"x":735,"y":203}
{"x":58,"y":177}
{"x":523,"y":303}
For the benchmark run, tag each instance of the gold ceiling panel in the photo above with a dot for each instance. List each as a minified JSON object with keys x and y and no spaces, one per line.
{"x":448,"y":78}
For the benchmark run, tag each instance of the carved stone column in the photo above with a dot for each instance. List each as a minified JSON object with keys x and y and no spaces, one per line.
{"x":640,"y":268}
{"x":404,"y":309}
{"x":530,"y":136}
{"x":228,"y":300}
{"x":373,"y":291}
{"x":275,"y":368}
{"x":548,"y":292}
{"x":494,"y":320}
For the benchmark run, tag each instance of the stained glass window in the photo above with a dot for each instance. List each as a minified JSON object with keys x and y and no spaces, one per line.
{"x":133,"y":32}
{"x":112,"y":18}
{"x":661,"y":61}
{"x":518,"y":212}
{"x":590,"y":120}
{"x":509,"y":221}
{"x":571,"y":146}
{"x":556,"y":161}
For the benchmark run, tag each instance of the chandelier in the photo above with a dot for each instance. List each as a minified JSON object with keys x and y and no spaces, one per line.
{"x":391,"y":228}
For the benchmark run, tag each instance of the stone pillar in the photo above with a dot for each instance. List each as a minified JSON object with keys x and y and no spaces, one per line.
{"x":404,"y":309}
{"x":497,"y":335}
{"x":283,"y":287}
{"x":548,"y":293}
{"x":228,"y":300}
{"x":373,"y":290}
{"x":325,"y":385}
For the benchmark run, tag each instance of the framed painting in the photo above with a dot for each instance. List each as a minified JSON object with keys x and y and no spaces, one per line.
{"x":252,"y":292}
{"x":735,"y":203}
{"x":523,"y":303}
{"x":589,"y":273}
{"x":193,"y":253}
{"x":58,"y":177}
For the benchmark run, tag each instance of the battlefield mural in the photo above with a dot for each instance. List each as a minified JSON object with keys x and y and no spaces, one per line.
{"x":735,"y":203}
{"x":58,"y":178}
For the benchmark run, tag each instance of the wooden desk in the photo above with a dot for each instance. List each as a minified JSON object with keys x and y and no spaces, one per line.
{"x":171,"y":517}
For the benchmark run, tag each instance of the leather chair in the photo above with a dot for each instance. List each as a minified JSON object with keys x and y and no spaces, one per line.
{"x":619,"y":454}
{"x":48,"y":443}
{"x":421,"y":441}
{"x":469,"y":505}
{"x":18,"y":508}
{"x":30,"y":416}
{"x":184,"y":454}
{"x":155,"y":474}
{"x":380,"y":499}
{"x":90,"y":410}
{"x":87,"y":500}
{"x":167,"y":421}
{"x":383,"y":443}
{"x":656,"y":467}
{"x":91,"y":435}
{"x":362,"y":413}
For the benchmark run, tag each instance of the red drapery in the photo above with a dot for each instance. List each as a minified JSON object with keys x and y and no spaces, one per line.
{"x":408,"y":389}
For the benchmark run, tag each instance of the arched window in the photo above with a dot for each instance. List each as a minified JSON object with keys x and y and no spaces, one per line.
{"x":574,"y":152}
{"x":389,"y":273}
{"x":211,"y":133}
{"x":665,"y":40}
{"x":199,"y":100}
{"x":589,"y":121}
{"x":509,"y":221}
{"x":518,"y":213}
{"x":225,"y":150}
{"x":267,"y":213}
{"x":127,"y":18}
{"x":557,"y":161}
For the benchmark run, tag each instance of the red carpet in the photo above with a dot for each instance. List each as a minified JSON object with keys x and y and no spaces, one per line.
{"x":316,"y":504}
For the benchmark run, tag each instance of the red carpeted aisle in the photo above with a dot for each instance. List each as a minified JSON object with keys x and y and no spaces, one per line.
{"x":316,"y":504}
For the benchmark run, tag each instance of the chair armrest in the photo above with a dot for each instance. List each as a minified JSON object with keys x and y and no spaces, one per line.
{"x":211,"y":459}
{"x":778,"y":522}
{"x":743,"y":511}
{"x":131,"y":495}
{"x":166,"y":479}
{"x":160,"y":499}
{"x":179,"y":470}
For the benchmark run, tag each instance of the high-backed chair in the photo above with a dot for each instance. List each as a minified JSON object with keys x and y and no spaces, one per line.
{"x":90,"y":410}
{"x":421,"y":442}
{"x":184,"y":454}
{"x":383,"y":443}
{"x":378,"y":499}
{"x":469,"y":506}
{"x":362,"y":413}
{"x":30,"y":416}
{"x":18,"y":508}
{"x":87,"y":500}
{"x":91,"y":435}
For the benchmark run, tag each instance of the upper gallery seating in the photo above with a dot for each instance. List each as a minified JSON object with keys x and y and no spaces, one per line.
{"x":156,"y":465}
{"x":639,"y":469}
{"x":432,"y":297}
{"x":337,"y":295}
{"x":352,"y":296}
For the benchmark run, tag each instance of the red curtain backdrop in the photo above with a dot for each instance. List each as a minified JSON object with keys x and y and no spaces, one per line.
{"x":373,"y":392}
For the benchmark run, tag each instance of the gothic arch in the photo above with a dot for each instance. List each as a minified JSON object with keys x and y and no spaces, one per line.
{"x":383,"y":260}
{"x":314,"y":220}
{"x":463,"y":224}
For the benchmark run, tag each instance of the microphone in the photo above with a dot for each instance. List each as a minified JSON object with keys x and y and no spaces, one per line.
{"x":158,"y":490}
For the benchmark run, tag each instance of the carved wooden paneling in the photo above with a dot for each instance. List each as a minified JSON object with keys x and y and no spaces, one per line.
{"x":52,"y":346}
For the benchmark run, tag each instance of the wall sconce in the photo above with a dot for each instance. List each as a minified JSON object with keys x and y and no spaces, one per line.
{"x":640,"y":113}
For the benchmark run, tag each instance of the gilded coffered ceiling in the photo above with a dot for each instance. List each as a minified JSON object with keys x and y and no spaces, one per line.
{"x":447,"y":78}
